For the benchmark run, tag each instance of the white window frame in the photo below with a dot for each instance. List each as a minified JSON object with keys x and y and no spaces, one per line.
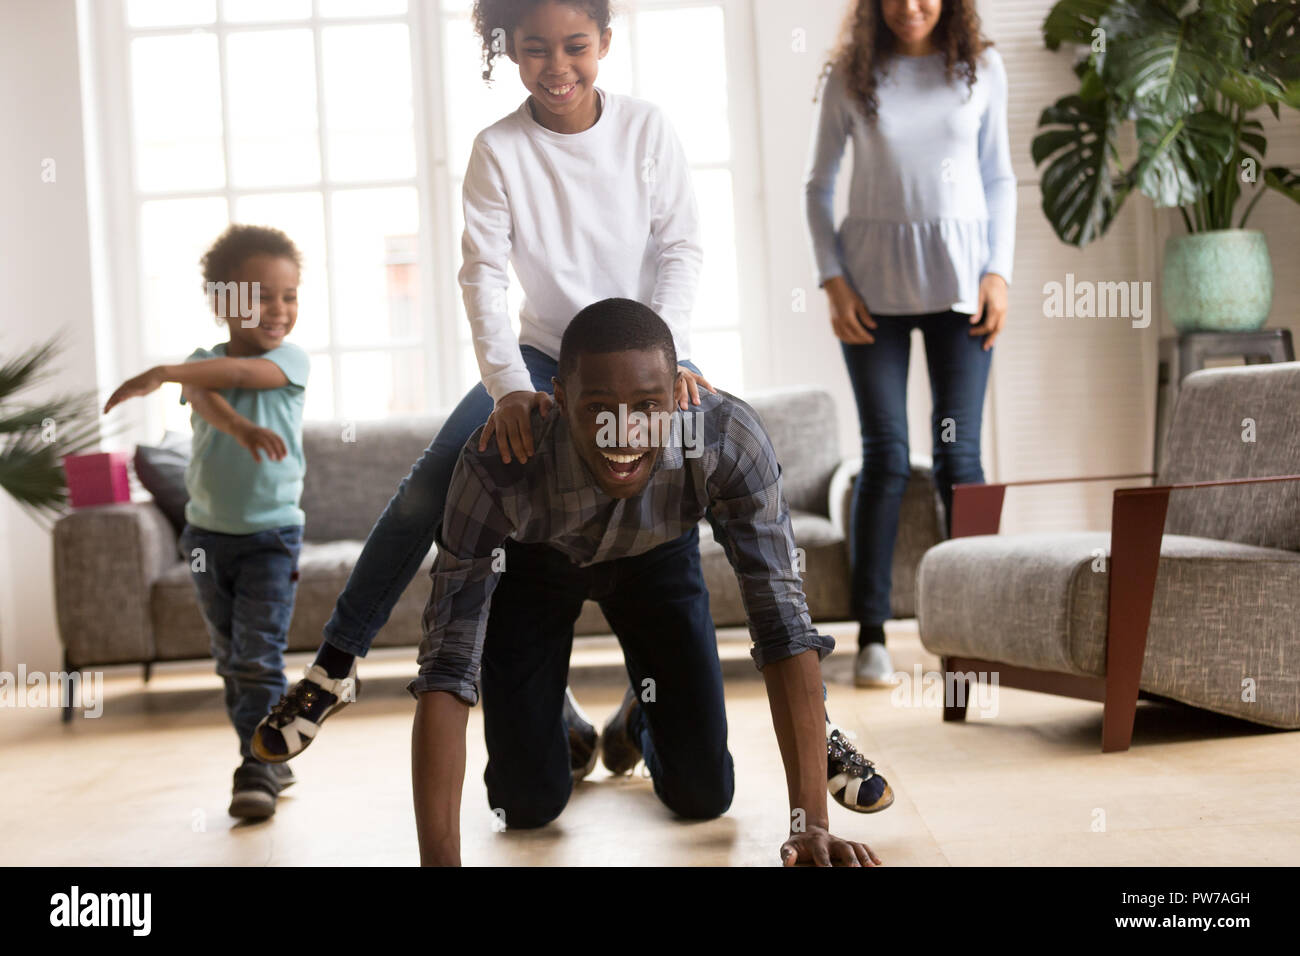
{"x":439,"y":246}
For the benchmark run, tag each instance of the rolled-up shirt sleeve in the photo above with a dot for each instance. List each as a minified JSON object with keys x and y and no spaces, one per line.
{"x":746,"y":499}
{"x":474,"y":528}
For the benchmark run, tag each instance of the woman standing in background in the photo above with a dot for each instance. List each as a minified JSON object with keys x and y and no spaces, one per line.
{"x":927,"y":244}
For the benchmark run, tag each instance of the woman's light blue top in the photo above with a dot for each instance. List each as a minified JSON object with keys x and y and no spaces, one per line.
{"x":932,"y":203}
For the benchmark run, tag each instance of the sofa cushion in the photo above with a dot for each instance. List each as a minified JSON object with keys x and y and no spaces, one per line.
{"x":353,"y":469}
{"x":801,"y":424}
{"x":1223,"y":612}
{"x":1241,"y":422}
{"x":323,"y":571}
{"x":161,"y":469}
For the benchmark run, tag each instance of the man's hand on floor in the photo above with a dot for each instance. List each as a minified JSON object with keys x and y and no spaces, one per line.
{"x":818,"y":847}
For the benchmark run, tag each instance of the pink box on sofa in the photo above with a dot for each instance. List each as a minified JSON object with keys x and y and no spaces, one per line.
{"x":98,"y":479}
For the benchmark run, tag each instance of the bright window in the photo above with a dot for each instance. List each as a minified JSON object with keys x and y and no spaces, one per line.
{"x":348,"y":124}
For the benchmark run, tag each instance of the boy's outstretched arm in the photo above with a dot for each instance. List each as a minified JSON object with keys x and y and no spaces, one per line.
{"x":255,"y":373}
{"x":218,"y":413}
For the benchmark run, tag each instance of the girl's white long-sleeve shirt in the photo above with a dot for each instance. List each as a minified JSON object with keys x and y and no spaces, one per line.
{"x":608,"y":212}
{"x":932,"y":201}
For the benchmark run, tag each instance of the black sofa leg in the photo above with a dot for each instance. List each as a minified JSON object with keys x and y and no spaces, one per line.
{"x":952,"y":709}
{"x":67,"y":708}
{"x":148,"y":670}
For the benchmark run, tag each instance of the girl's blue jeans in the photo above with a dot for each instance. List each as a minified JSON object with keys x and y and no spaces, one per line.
{"x":959,"y":371}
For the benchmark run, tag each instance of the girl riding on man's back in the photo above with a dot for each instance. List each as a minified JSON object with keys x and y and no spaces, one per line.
{"x":587,"y":194}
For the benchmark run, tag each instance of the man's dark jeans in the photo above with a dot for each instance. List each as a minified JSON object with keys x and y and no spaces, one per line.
{"x":658,"y":607}
{"x":246,"y":585}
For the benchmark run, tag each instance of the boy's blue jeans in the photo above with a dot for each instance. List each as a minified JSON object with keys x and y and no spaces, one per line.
{"x":959,"y":372}
{"x":246,"y":585}
{"x":404,"y":533}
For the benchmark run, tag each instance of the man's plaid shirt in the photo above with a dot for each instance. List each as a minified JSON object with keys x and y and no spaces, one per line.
{"x":553,"y":499}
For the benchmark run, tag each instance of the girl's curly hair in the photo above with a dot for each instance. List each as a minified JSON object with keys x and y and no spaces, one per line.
{"x":867,"y":44}
{"x":238,"y":243}
{"x":495,"y":22}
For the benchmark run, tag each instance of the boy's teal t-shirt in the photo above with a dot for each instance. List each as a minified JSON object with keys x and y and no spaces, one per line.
{"x":230,"y":493}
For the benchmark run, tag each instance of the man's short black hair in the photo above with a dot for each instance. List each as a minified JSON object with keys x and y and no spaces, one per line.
{"x":615,"y":325}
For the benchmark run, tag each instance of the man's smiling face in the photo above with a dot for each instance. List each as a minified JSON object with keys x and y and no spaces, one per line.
{"x":639,"y":381}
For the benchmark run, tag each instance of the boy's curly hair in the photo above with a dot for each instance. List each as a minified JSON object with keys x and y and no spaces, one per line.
{"x":495,"y":22}
{"x":240,"y":242}
{"x":867,"y":44}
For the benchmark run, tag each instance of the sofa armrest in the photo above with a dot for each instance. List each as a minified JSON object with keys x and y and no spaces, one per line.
{"x":106,"y":560}
{"x":977,"y":509}
{"x":1137,"y":527}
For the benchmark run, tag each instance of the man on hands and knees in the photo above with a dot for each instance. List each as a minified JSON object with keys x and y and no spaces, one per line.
{"x":611,"y":513}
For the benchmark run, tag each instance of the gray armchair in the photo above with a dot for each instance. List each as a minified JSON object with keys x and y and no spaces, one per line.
{"x":1194,"y":595}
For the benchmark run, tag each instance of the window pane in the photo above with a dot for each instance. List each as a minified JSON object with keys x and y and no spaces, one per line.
{"x":380,"y":384}
{"x":474,"y":104}
{"x":717,"y":355}
{"x":167,"y":13}
{"x":174,"y":234}
{"x":616,"y":68}
{"x":361,"y":8}
{"x":272,"y":85}
{"x":694,"y":99}
{"x":367,"y":73}
{"x":376,"y":274}
{"x":253,"y":11}
{"x":318,"y":402}
{"x":717,"y":302}
{"x":301,"y":216}
{"x":176,"y":102}
{"x":175,"y":416}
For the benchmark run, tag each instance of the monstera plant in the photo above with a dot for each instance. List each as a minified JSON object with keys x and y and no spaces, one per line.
{"x":1188,"y":76}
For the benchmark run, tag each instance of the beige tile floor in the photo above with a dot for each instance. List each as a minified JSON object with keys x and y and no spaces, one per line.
{"x":148,"y":782}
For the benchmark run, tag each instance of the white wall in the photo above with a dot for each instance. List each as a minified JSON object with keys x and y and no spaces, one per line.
{"x":45,"y":276}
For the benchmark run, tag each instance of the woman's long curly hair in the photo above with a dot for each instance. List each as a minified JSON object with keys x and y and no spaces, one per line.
{"x":867,"y":45}
{"x":495,"y":22}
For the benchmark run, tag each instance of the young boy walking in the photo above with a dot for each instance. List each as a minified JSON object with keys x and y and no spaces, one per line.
{"x":244,"y":525}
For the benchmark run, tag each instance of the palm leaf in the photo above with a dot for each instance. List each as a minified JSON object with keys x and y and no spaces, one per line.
{"x":1073,"y":21}
{"x":1079,"y":198}
{"x":1179,"y":162}
{"x":1159,"y":59}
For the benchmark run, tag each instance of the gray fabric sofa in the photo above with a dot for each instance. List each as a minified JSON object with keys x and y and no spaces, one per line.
{"x":1193,"y":596}
{"x":125,"y":596}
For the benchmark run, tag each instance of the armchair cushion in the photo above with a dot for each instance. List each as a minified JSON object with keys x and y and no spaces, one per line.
{"x":1223,"y":612}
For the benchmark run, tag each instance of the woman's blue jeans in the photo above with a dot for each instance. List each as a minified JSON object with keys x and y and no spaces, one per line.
{"x":404,"y":533}
{"x":959,"y":372}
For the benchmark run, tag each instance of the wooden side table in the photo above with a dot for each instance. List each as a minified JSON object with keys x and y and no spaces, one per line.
{"x":1182,"y":355}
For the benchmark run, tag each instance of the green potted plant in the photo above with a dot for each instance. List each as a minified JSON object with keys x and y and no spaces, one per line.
{"x":35,"y":437}
{"x":1187,"y":75}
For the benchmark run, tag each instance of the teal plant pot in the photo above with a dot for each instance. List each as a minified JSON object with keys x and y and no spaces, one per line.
{"x":1220,"y":281}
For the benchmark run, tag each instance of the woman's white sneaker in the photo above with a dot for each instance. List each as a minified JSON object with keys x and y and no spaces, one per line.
{"x":874,"y":667}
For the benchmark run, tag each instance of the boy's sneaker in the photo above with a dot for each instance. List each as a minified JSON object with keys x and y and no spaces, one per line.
{"x":256,"y":787}
{"x":852,"y":778}
{"x":582,"y":737}
{"x":618,"y":751}
{"x":294,"y":722}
